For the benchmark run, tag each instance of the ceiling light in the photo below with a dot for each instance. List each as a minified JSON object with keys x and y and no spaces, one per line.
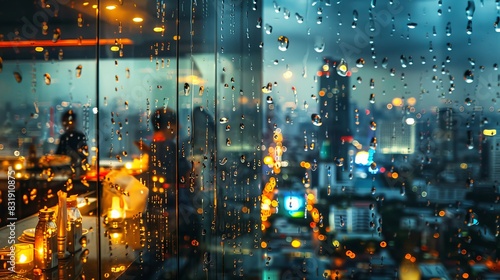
{"x":39,"y":49}
{"x":137,"y":19}
{"x":159,"y":29}
{"x":110,"y":7}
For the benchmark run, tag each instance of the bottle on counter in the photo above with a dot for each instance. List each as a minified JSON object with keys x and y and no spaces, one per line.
{"x":74,"y":225}
{"x":46,"y":241}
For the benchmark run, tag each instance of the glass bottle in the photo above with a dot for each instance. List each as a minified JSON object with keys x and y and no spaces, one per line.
{"x":46,"y":240}
{"x":74,"y":226}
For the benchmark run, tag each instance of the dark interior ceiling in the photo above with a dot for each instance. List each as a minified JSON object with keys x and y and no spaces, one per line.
{"x":23,"y":21}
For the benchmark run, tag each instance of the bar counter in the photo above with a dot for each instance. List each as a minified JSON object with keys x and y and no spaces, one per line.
{"x":119,"y":248}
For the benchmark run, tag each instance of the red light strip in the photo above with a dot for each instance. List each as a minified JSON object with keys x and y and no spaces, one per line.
{"x":64,"y":43}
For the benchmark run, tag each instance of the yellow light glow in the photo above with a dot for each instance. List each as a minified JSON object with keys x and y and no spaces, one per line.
{"x":268,"y":160}
{"x":412,"y":101}
{"x":86,"y":3}
{"x":397,"y":102}
{"x":94,"y":6}
{"x":137,"y":19}
{"x":463,"y":165}
{"x":274,"y":203}
{"x":159,"y":29}
{"x":288,"y":74}
{"x":18,"y":166}
{"x":191,"y":79}
{"x":326,"y":67}
{"x":489,"y":132}
{"x":177,"y":38}
{"x":22,"y":258}
{"x":110,"y":7}
{"x":295,"y":243}
{"x":115,"y":48}
{"x":128,"y":165}
{"x":336,"y":243}
{"x":263,"y":244}
{"x":39,"y":49}
{"x":114,"y":214}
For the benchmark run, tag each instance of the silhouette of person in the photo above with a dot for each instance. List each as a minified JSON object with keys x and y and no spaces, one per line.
{"x":163,"y":158}
{"x":72,"y":142}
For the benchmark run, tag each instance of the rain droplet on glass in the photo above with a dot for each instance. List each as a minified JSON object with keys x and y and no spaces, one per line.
{"x":468,"y":76}
{"x":283,"y":43}
{"x":316,"y":120}
{"x":470,"y":9}
{"x":342,"y":68}
{"x":268,"y":28}
{"x":47,"y":78}
{"x":468,"y":30}
{"x":299,"y":18}
{"x":360,"y":63}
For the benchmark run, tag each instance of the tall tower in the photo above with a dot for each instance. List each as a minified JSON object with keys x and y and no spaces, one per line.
{"x":335,"y":110}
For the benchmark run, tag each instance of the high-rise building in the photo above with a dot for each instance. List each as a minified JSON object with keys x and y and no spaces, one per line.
{"x":395,"y":137}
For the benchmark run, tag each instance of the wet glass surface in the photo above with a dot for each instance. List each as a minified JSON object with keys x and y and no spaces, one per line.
{"x":239,"y":139}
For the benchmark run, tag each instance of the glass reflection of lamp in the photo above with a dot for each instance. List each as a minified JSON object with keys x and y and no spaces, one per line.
{"x":116,"y":213}
{"x":24,"y":253}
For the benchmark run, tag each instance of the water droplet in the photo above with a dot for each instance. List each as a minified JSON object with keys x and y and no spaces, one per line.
{"x":342,"y":68}
{"x":47,"y":78}
{"x":268,"y":28}
{"x":299,"y":18}
{"x":385,"y":61}
{"x":360,"y":63}
{"x":57,"y":35}
{"x":187,"y":89}
{"x":268,"y":88}
{"x":448,"y":29}
{"x":372,"y":98}
{"x":470,"y":9}
{"x":404,"y":61}
{"x":18,"y":77}
{"x":223,"y":161}
{"x":468,"y":30}
{"x":316,"y":120}
{"x":286,"y":13}
{"x":277,"y":8}
{"x":283,"y":43}
{"x":469,"y":76}
{"x":412,"y":25}
{"x":319,"y":45}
